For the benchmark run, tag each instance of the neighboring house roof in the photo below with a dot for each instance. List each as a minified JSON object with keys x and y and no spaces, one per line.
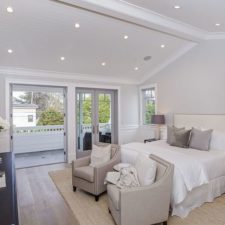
{"x":25,"y":106}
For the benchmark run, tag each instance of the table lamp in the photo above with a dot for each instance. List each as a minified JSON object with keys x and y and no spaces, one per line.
{"x":158,"y":120}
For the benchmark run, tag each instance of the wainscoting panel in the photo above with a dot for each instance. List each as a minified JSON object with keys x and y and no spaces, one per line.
{"x":128,"y":134}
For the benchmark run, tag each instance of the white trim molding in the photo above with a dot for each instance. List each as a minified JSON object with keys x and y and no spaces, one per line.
{"x":22,"y":72}
{"x":215,"y":36}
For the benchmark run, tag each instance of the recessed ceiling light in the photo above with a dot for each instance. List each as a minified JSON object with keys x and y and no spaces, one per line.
{"x":125,"y":37}
{"x":217,"y":24}
{"x":103,"y":64}
{"x":9,"y":9}
{"x":163,"y":46}
{"x":147,"y":57}
{"x":136,"y":68}
{"x":62,"y":58}
{"x":77,"y":25}
{"x":177,"y":7}
{"x":10,"y":51}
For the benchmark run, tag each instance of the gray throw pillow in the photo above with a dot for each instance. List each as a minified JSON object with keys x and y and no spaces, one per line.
{"x":181,"y":138}
{"x":200,"y":139}
{"x":170,"y":133}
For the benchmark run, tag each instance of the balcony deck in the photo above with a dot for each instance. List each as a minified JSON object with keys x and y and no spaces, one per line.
{"x":23,"y":160}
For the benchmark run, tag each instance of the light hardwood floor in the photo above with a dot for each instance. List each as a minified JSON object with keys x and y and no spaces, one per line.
{"x":39,"y":200}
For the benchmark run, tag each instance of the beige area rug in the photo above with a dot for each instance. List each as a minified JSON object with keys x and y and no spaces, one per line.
{"x":89,"y":212}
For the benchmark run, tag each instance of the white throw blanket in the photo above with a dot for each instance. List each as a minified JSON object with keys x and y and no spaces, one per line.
{"x":125,"y":178}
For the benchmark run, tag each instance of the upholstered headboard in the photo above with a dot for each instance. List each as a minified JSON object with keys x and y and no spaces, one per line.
{"x":215,"y":122}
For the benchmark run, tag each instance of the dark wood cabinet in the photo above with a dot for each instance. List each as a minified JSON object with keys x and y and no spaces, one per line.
{"x":8,"y":195}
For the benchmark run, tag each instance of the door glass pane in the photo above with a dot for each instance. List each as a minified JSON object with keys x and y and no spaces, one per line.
{"x":84,"y":121}
{"x":105,"y":117}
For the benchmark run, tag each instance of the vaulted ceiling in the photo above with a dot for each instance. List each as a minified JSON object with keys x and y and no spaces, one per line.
{"x":110,"y":43}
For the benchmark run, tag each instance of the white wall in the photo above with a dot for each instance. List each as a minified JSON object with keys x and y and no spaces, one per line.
{"x":2,"y":96}
{"x":129,"y":107}
{"x":4,"y":136}
{"x":194,"y":84}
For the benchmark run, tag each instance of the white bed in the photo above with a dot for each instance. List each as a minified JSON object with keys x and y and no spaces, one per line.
{"x":199,"y":176}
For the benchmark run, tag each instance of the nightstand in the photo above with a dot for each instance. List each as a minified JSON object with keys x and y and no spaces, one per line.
{"x":150,"y":140}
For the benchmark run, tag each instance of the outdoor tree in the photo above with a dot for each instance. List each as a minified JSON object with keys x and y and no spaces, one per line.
{"x":43,"y":100}
{"x":150,"y":110}
{"x":103,"y":109}
{"x":51,"y":117}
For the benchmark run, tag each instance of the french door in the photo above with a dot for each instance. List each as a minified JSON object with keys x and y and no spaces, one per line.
{"x":95,"y":118}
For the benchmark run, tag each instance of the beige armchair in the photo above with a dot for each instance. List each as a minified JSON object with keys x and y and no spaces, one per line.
{"x":91,"y":179}
{"x":143,"y":205}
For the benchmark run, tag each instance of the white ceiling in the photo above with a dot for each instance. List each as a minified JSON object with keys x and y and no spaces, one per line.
{"x":41,"y":31}
{"x":203,"y":14}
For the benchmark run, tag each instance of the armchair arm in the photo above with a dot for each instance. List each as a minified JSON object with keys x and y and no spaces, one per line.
{"x":85,"y":161}
{"x":155,"y":199}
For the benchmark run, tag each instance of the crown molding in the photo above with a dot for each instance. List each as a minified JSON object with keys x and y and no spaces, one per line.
{"x":23,"y":72}
{"x":215,"y":36}
{"x":168,"y":61}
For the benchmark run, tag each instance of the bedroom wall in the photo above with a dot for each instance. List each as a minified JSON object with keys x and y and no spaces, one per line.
{"x":194,"y":84}
{"x":4,"y":136}
{"x":129,"y":107}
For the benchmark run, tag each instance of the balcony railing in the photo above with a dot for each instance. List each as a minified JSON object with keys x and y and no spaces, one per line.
{"x":47,"y":138}
{"x":39,"y":138}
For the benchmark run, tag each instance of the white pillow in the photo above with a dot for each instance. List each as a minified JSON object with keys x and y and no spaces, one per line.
{"x":217,"y":141}
{"x":146,"y":169}
{"x":100,"y":155}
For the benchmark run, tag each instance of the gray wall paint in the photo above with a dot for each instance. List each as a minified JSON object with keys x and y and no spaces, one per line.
{"x":194,"y":84}
{"x":2,"y":97}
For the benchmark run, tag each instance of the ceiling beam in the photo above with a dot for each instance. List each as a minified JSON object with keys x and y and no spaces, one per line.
{"x":130,"y":13}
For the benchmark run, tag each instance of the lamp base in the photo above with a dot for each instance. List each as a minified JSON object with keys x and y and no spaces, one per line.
{"x":157,"y":133}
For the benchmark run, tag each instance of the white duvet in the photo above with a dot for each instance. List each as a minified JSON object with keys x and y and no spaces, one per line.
{"x":193,"y":168}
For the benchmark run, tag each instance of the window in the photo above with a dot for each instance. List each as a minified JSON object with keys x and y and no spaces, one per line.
{"x":148,"y":104}
{"x":30,"y":118}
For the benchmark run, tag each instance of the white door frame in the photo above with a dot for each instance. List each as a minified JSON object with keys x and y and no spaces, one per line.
{"x":71,"y":86}
{"x":64,"y":112}
{"x":95,"y":120}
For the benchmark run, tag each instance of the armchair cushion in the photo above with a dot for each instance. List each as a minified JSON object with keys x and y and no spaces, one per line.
{"x":100,"y":155}
{"x":114,"y":195}
{"x":85,"y":172}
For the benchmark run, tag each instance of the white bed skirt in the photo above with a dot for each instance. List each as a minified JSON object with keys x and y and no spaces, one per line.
{"x":200,"y":195}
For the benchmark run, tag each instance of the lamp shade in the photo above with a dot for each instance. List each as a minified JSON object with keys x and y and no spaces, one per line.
{"x":158,"y":119}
